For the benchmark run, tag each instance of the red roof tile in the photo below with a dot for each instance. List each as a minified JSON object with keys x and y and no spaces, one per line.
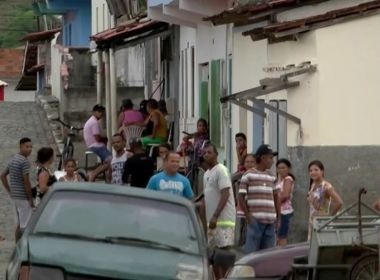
{"x":127,"y":31}
{"x":40,"y":36}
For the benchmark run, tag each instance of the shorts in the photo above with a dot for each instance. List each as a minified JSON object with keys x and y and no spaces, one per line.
{"x":102,"y":152}
{"x":24,"y":212}
{"x":284,"y":227}
{"x":221,"y":237}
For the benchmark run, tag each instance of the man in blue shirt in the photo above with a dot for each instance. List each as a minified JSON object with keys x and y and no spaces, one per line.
{"x":170,"y":180}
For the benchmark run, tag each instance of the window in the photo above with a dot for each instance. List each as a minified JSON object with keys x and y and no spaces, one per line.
{"x":99,"y":215}
{"x":276,"y":128}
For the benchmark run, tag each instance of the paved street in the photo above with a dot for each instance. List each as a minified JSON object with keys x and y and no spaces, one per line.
{"x":22,"y":119}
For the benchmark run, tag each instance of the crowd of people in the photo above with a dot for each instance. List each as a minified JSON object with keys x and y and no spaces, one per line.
{"x":252,"y":204}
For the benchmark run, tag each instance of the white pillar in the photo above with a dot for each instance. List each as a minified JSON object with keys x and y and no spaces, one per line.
{"x":108,"y":95}
{"x":113,"y":90}
{"x":99,"y":77}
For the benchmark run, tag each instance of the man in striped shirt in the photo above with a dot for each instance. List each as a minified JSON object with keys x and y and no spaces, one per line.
{"x":259,"y":200}
{"x":19,"y":186}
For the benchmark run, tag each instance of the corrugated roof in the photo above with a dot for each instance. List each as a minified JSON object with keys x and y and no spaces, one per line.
{"x":127,"y":30}
{"x":41,"y":36}
{"x":289,"y":28}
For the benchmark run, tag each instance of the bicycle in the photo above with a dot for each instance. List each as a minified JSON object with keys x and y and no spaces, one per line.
{"x":68,"y":148}
{"x":194,"y":167}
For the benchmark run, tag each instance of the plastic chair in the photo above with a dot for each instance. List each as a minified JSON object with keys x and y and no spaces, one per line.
{"x":132,"y":131}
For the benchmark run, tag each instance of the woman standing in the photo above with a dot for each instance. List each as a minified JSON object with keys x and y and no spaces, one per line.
{"x":45,"y":178}
{"x":322,"y":197}
{"x":285,"y":182}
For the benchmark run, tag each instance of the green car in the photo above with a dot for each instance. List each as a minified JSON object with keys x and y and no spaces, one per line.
{"x":98,"y":231}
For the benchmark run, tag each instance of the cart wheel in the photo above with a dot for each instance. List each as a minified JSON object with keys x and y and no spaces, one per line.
{"x":365,"y":268}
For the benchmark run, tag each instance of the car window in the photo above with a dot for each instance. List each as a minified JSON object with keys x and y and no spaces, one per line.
{"x":107,"y":215}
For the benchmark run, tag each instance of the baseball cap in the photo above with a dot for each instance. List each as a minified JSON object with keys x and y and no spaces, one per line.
{"x":265,"y":150}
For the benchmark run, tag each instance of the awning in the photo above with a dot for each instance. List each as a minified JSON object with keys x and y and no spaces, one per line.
{"x":131,"y":31}
{"x":259,"y":11}
{"x":267,"y":86}
{"x":288,"y":29}
{"x":41,"y":36}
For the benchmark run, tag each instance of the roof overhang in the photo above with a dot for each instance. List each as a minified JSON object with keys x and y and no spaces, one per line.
{"x":41,"y":36}
{"x":290,"y":29}
{"x":126,"y":33}
{"x":267,"y":86}
{"x":188,"y":13}
{"x":260,"y":11}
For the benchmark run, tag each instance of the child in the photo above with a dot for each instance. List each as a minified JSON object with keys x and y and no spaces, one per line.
{"x":241,"y":149}
{"x":71,"y":176}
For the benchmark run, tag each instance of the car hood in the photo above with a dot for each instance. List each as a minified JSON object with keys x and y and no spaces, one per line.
{"x":118,"y":261}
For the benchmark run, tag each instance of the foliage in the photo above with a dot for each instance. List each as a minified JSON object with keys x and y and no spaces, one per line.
{"x":21,"y":21}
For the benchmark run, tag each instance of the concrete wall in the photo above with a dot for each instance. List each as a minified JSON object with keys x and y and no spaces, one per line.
{"x":130,"y":66}
{"x":348,"y":168}
{"x":82,"y":74}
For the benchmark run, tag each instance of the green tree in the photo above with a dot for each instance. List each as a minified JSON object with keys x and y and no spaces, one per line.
{"x":21,"y":22}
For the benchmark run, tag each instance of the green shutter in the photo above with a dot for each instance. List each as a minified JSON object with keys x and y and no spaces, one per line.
{"x":203,"y":100}
{"x":215,"y":116}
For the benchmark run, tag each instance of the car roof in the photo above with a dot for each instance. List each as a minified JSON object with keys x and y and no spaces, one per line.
{"x":121,"y":190}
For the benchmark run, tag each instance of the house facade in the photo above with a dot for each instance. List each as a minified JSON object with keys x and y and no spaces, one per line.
{"x":304,"y":80}
{"x":204,"y":64}
{"x":139,"y":58}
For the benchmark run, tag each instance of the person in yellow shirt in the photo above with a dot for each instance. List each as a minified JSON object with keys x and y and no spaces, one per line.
{"x":160,"y":130}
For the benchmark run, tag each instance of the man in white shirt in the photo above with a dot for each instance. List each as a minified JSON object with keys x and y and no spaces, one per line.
{"x":220,"y":205}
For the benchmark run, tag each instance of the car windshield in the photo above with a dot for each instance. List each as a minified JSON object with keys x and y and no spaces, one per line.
{"x":118,"y":218}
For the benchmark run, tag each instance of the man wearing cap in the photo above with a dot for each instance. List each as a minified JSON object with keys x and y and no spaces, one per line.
{"x":259,"y":200}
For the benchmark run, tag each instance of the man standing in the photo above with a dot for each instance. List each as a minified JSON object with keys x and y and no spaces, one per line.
{"x":259,"y":200}
{"x":118,"y":161}
{"x":139,"y":168}
{"x":19,"y":186}
{"x":220,"y":205}
{"x":170,"y":180}
{"x":95,"y":142}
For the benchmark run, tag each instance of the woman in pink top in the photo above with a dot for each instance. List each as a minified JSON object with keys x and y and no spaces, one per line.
{"x":285,"y":181}
{"x":128,"y":114}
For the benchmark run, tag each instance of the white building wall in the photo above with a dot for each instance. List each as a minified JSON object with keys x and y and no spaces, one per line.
{"x":209,"y":44}
{"x":101,"y":17}
{"x":56,"y":61}
{"x":336,"y":104}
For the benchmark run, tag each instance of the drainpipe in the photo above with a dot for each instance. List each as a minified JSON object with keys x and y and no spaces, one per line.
{"x":113,"y":91}
{"x":108,"y":94}
{"x":99,"y":77}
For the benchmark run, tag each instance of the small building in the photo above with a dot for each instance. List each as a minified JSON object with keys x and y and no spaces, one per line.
{"x":2,"y":89}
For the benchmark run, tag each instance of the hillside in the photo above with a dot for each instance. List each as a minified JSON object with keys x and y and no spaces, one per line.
{"x":16,"y":19}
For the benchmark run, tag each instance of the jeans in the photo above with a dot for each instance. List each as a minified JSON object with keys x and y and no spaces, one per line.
{"x":260,"y":236}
